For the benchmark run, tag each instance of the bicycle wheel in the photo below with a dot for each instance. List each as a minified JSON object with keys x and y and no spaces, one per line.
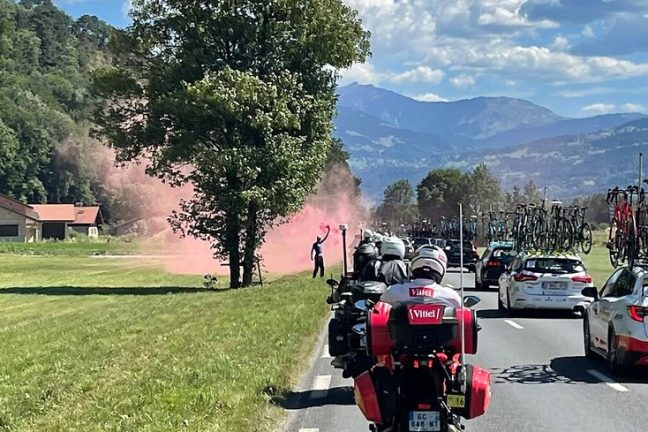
{"x":613,"y":244}
{"x":585,"y":238}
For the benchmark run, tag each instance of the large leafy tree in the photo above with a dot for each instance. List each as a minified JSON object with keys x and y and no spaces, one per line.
{"x":235,"y":98}
{"x":399,"y":203}
{"x":483,"y":191}
{"x":440,"y":191}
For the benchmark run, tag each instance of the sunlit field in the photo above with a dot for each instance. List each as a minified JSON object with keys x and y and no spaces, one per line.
{"x":101,"y":345}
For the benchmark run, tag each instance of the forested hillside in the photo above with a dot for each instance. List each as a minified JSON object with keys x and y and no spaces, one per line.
{"x":45,"y":102}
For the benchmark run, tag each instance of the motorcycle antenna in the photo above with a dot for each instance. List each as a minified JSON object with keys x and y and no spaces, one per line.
{"x":343,"y":228}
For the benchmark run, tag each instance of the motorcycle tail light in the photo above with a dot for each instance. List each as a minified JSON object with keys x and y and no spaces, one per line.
{"x":493,"y":263}
{"x":638,"y":313}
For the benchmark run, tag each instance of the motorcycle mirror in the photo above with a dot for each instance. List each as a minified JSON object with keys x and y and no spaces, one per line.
{"x":332,"y":283}
{"x":470,"y":301}
{"x":361,"y":305}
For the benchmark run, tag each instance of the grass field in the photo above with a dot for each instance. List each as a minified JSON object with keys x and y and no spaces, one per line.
{"x":98,"y":345}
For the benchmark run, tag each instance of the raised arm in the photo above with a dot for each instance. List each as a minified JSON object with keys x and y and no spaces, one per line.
{"x":328,"y":231}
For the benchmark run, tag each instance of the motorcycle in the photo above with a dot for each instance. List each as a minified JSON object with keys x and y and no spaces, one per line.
{"x":420,"y":381}
{"x":347,"y":328}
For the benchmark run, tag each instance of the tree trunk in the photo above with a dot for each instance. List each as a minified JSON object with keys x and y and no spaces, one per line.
{"x":233,"y":251}
{"x":249,"y":251}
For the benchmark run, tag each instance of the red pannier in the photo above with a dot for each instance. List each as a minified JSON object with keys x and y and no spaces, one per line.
{"x":375,"y":395}
{"x":478,"y":392}
{"x":418,"y":328}
{"x":379,"y":341}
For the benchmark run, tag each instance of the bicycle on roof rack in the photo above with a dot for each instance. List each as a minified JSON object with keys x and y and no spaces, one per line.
{"x":623,"y":235}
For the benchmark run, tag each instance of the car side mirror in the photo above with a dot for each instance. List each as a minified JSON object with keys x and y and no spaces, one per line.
{"x":332,"y":283}
{"x":470,"y":301}
{"x":591,"y":292}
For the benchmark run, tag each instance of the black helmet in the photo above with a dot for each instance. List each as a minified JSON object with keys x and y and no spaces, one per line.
{"x":364,"y":254}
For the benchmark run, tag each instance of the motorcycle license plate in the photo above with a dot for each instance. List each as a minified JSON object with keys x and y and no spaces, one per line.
{"x":424,"y":421}
{"x":456,"y":401}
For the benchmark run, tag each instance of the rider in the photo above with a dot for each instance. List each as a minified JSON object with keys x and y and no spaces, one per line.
{"x":428,"y":268}
{"x":390,"y":268}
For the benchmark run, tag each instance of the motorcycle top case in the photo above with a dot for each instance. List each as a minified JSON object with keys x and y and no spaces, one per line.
{"x":478,"y":392}
{"x":375,"y":394}
{"x":371,"y":290}
{"x":419,"y":328}
{"x":379,"y":341}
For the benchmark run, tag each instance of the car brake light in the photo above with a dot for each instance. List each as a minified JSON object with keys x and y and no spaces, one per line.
{"x":424,"y":406}
{"x":637,"y":313}
{"x":493,"y":263}
{"x":587,"y":279}
{"x":522,"y":277}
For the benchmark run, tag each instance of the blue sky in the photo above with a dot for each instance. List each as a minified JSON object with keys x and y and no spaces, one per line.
{"x":576,"y":57}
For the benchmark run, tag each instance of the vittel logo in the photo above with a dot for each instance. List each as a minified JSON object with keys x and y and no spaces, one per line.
{"x":421,"y":292}
{"x":426,"y":313}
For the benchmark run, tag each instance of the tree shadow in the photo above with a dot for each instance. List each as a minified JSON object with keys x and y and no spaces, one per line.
{"x":315,"y":398}
{"x":564,"y":370}
{"x":105,"y":291}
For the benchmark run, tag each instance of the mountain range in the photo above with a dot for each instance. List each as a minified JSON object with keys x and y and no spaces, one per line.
{"x":390,"y":136}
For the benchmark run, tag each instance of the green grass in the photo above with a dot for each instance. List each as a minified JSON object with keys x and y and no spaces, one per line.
{"x":71,"y":248}
{"x":96,"y":345}
{"x":598,"y":265}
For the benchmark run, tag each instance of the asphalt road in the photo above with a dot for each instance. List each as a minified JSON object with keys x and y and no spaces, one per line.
{"x":542,"y":381}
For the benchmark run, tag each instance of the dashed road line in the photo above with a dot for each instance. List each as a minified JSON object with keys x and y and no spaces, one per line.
{"x":309,"y":430}
{"x":325,"y":352}
{"x":320,"y":387}
{"x":608,"y":381}
{"x":514,"y":324}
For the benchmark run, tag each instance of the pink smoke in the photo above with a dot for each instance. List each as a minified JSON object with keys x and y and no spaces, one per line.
{"x":287,"y":247}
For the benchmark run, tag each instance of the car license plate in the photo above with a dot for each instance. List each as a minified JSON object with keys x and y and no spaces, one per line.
{"x":554,"y":285}
{"x":424,"y":421}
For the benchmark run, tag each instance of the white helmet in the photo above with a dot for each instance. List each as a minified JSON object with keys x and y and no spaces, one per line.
{"x":429,"y":263}
{"x":392,"y":247}
{"x":367,"y":234}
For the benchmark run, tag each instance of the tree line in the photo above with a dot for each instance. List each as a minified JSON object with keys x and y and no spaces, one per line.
{"x":479,"y":190}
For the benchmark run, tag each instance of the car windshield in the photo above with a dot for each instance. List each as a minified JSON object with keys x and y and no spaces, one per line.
{"x":420,"y":242}
{"x":553,"y":265}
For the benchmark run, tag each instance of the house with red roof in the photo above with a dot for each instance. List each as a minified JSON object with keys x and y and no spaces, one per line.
{"x":29,"y":223}
{"x":18,"y":222}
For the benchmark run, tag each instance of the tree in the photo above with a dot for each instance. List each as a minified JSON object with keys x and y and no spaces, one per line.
{"x":235,"y":98}
{"x":532,"y":193}
{"x":399,"y":203}
{"x":440,"y":191}
{"x":484,"y":190}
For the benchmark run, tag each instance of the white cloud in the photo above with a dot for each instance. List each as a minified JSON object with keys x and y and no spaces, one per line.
{"x":599,"y":108}
{"x":430,"y":97}
{"x":463,"y":81}
{"x":422,"y":74}
{"x":362,"y":73}
{"x":588,"y":32}
{"x":560,"y":44}
{"x":632,"y":108}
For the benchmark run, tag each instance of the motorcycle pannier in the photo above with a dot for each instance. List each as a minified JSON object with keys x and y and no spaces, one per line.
{"x":379,"y":340}
{"x":375,"y":395}
{"x":426,"y":327}
{"x":478,"y":392}
{"x":337,"y":337}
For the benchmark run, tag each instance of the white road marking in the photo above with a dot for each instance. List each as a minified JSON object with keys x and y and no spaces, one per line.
{"x":309,"y":430}
{"x":325,"y":352}
{"x":608,"y":381}
{"x":514,"y":324}
{"x":320,"y":387}
{"x":322,"y":382}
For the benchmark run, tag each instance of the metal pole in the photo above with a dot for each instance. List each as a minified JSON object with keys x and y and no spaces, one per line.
{"x":461,"y":283}
{"x":344,"y":252}
{"x":640,"y":170}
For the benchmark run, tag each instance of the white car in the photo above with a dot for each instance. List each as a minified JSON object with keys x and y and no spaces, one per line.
{"x":615,"y":325}
{"x":544,"y":282}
